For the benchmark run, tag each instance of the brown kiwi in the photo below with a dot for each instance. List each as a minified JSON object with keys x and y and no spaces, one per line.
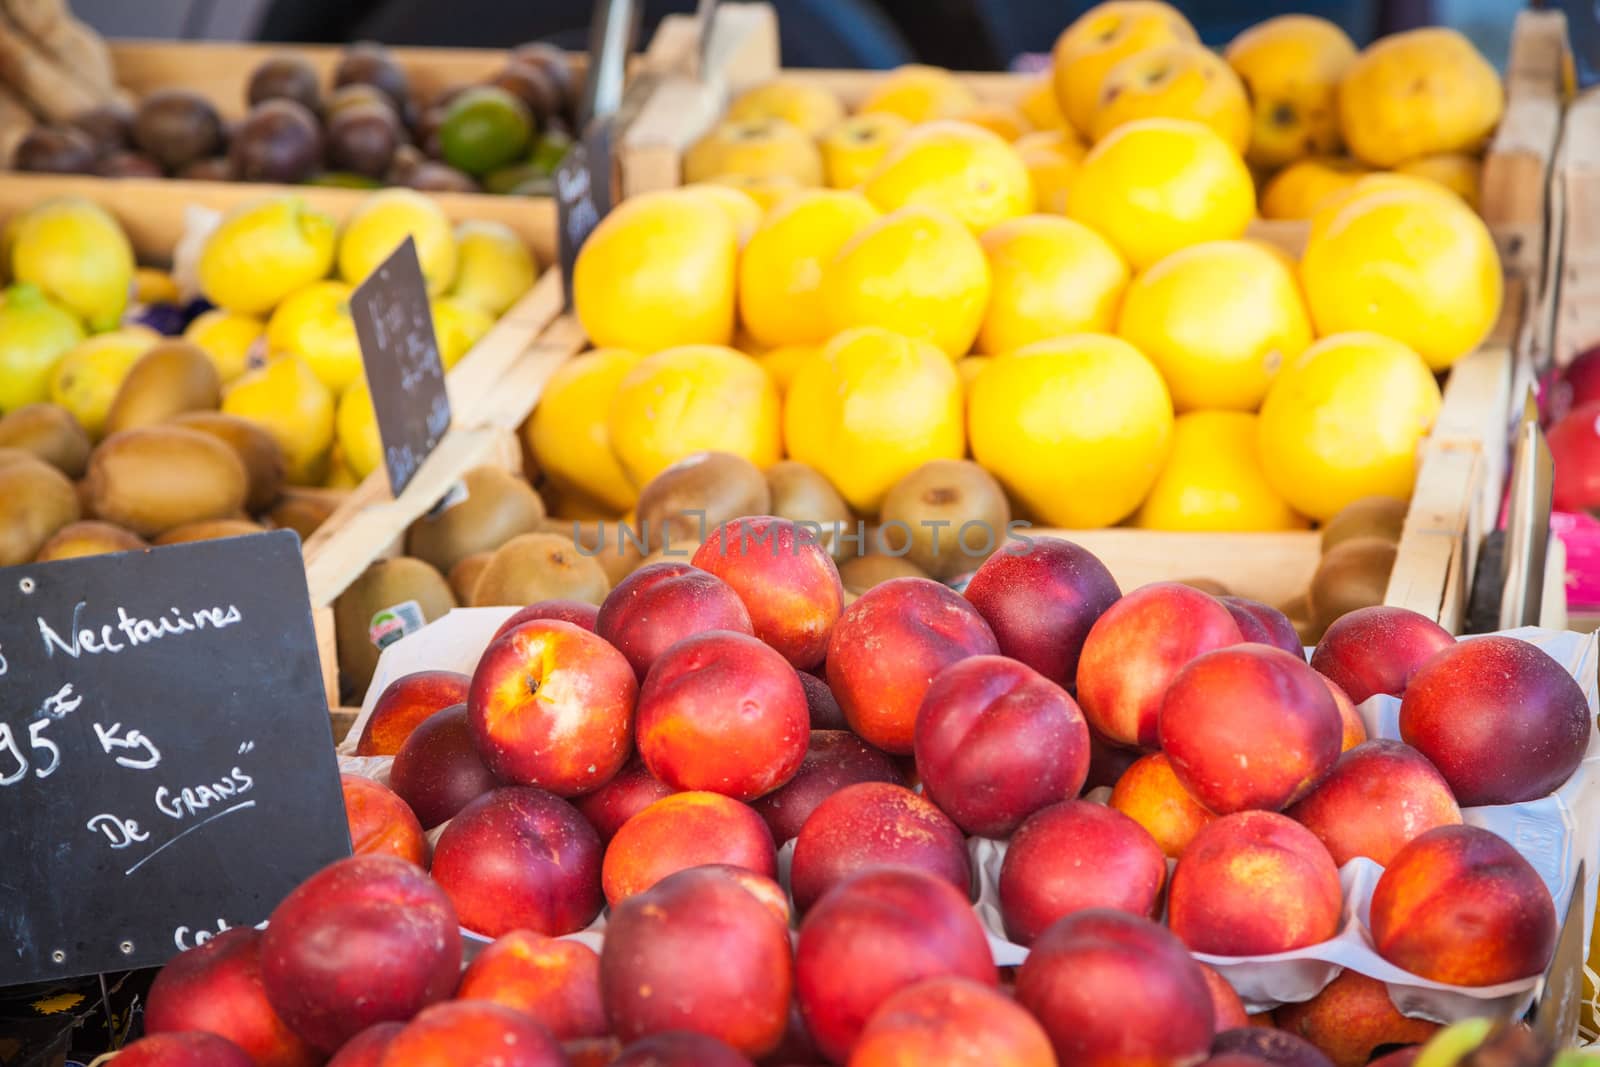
{"x":303,"y":510}
{"x":497,"y":507}
{"x":802,"y":494}
{"x":170,"y":379}
{"x":616,"y":549}
{"x":463,"y":577}
{"x":209,"y":530}
{"x":1355,"y":574}
{"x":1371,"y":516}
{"x":50,"y":432}
{"x":157,"y":477}
{"x":36,"y":500}
{"x":9,"y":456}
{"x":88,"y":538}
{"x":262,"y":456}
{"x":682,"y":505}
{"x":954,"y":512}
{"x":382,"y":587}
{"x":860,"y":573}
{"x":539,"y":566}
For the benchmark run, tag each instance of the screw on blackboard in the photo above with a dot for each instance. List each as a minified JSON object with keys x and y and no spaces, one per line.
{"x":126,"y":948}
{"x":27,"y":585}
{"x":58,"y":956}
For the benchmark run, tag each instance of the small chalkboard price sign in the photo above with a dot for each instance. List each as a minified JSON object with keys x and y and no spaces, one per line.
{"x":166,"y":762}
{"x":394,"y":325}
{"x":583,"y":195}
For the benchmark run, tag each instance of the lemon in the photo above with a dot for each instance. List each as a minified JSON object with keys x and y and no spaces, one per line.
{"x":1154,"y":186}
{"x":853,"y":148}
{"x":340,"y":475}
{"x":1051,"y":276}
{"x":34,"y":334}
{"x":287,"y":400}
{"x":783,"y":363}
{"x":969,"y":367}
{"x":77,"y":255}
{"x":743,"y":209}
{"x":152,"y":286}
{"x":1039,"y":105}
{"x":809,"y":107}
{"x":1076,"y":428}
{"x":315,"y":325}
{"x":1292,"y":65}
{"x":264,"y":250}
{"x":494,"y":267}
{"x":1460,"y":173}
{"x":919,"y":93}
{"x":760,"y":148}
{"x":964,"y":169}
{"x":870,"y":408}
{"x":1002,"y":120}
{"x":569,"y":434}
{"x":457,"y":326}
{"x":781,"y":271}
{"x":1417,"y":265}
{"x":693,"y":398}
{"x":228,"y":338}
{"x":767,"y":190}
{"x":1217,"y":319}
{"x":1213,"y":479}
{"x":360,"y":446}
{"x":1344,"y":421}
{"x":1052,"y":158}
{"x":387,"y":218}
{"x":1100,"y":38}
{"x":917,"y":271}
{"x":658,"y":271}
{"x":87,"y":376}
{"x":1298,"y":190}
{"x":1180,"y":80}
{"x":1418,"y":93}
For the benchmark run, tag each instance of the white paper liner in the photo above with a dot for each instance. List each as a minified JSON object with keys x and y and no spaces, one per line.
{"x":1553,"y":833}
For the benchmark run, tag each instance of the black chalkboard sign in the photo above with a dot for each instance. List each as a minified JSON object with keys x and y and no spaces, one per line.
{"x":166,"y":760}
{"x":394,"y":325}
{"x":583,"y":195}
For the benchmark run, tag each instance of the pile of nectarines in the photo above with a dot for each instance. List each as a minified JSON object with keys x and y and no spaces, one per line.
{"x":654,"y":757}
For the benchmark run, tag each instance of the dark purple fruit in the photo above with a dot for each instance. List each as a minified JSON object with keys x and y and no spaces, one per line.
{"x":128,"y":165}
{"x":55,"y":150}
{"x":533,"y":86}
{"x":215,"y":169}
{"x":279,"y":142}
{"x":370,"y":64}
{"x":552,"y":60}
{"x":363,"y":140}
{"x":431,"y":176}
{"x":109,"y":126}
{"x":286,"y":77}
{"x":177,"y":127}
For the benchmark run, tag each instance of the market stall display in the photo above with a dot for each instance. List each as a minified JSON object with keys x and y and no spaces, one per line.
{"x":966,"y":569}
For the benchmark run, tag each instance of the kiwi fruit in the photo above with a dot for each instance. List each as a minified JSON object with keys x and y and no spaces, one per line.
{"x":801,"y":494}
{"x":175,"y":127}
{"x":36,"y":501}
{"x":279,"y":141}
{"x":682,"y":505}
{"x":1354,"y":574}
{"x":1371,"y":516}
{"x":209,"y":530}
{"x":262,"y":456}
{"x":539,"y":566}
{"x":171,"y":378}
{"x":860,"y":573}
{"x":303,"y":509}
{"x":50,"y":432}
{"x":497,"y":506}
{"x":954,"y":514}
{"x":55,"y":150}
{"x":153,"y":478}
{"x":285,"y":76}
{"x":382,"y":587}
{"x":463,"y":577}
{"x":8,"y":456}
{"x":88,"y":538}
{"x":618,"y":553}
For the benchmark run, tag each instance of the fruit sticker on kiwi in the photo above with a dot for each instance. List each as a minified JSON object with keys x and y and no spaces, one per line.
{"x":395,"y":622}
